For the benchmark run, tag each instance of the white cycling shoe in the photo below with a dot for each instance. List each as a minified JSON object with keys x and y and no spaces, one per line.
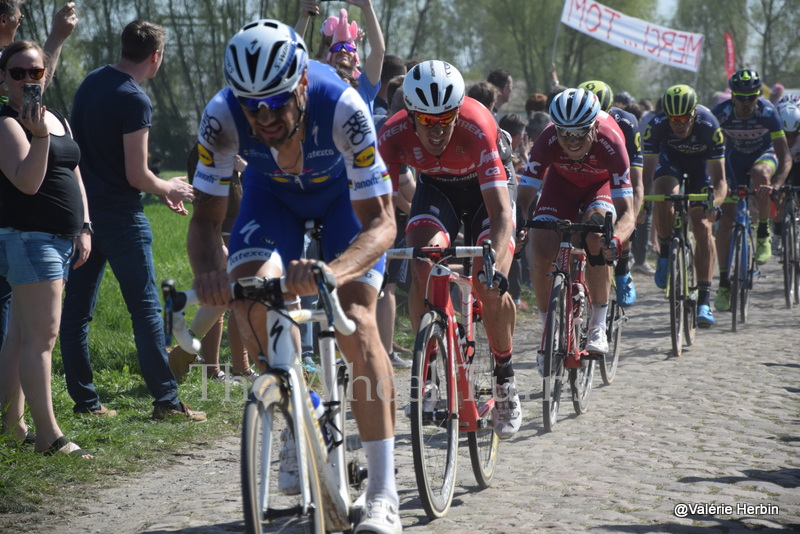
{"x":380,"y":516}
{"x":507,"y":416}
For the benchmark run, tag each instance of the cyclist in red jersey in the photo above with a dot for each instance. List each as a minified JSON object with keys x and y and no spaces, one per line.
{"x":454,"y":144}
{"x":583,"y":153}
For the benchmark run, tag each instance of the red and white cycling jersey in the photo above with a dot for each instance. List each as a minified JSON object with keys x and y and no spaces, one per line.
{"x":607,"y":160}
{"x":471,"y":154}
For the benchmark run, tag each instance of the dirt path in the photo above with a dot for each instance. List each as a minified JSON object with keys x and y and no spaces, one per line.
{"x":717,"y":429}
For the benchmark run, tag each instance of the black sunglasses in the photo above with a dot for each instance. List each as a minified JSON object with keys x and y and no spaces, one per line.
{"x":746,"y":98}
{"x":18,"y":73}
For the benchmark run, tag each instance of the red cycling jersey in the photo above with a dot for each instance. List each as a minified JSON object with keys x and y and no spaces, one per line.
{"x":606,"y":160}
{"x":471,"y":154}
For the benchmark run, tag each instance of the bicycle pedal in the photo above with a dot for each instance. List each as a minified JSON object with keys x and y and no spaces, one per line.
{"x":592,"y":356}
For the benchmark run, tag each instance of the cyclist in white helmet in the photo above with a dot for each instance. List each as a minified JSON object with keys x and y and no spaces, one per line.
{"x":464,"y":176}
{"x":311,"y":149}
{"x":584,"y":157}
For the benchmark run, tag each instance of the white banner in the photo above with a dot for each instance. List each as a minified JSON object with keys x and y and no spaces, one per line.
{"x":672,"y":47}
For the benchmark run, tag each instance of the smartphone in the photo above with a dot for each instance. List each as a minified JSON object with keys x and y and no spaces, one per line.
{"x":31,"y":94}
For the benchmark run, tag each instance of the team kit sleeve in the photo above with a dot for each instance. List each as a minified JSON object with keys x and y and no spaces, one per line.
{"x":539,"y":159}
{"x":354,"y":136}
{"x":390,"y":139}
{"x":217,"y":146}
{"x":491,"y":172}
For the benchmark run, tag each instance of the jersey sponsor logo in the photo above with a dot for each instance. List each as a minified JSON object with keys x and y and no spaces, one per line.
{"x":374,"y":180}
{"x":205,"y":177}
{"x":494,"y":171}
{"x":607,"y":146}
{"x":472,"y":128}
{"x":205,"y":156}
{"x":281,"y":179}
{"x":396,"y":129}
{"x":210,"y":128}
{"x":366,"y":157}
{"x":320,"y":179}
{"x":531,"y":168}
{"x":357,"y":127}
{"x":248,"y":230}
{"x":325,"y":152}
{"x":488,"y":156}
{"x":418,"y":154}
{"x":621,"y":179}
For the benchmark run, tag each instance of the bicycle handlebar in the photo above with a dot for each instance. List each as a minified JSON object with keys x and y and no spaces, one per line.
{"x":266,"y":290}
{"x":438,"y":254}
{"x":692,"y":197}
{"x":565,"y":225}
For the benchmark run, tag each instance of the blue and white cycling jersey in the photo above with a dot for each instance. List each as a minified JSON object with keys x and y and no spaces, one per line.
{"x":749,"y":136}
{"x":341,"y":164}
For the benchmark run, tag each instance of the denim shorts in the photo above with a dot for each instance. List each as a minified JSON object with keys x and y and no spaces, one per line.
{"x":27,"y":257}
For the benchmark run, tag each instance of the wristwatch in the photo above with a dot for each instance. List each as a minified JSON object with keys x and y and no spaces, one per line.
{"x":88,"y":226}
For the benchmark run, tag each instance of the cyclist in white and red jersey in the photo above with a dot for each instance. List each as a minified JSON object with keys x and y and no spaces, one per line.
{"x":584,"y":157}
{"x":454,"y":144}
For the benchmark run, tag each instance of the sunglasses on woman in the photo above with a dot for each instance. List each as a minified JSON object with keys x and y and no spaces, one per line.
{"x":273,"y":103}
{"x":344,"y":45}
{"x":18,"y":73}
{"x":442,"y":119}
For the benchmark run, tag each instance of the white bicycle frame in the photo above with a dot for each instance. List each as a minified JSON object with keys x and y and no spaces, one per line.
{"x":284,"y":361}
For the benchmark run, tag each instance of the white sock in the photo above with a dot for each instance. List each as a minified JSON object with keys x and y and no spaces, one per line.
{"x":380,"y":469}
{"x":599,"y":314}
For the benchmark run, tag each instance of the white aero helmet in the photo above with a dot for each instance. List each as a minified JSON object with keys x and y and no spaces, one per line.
{"x":264,"y":58}
{"x":788,"y":100}
{"x":433,"y":87}
{"x":790,"y":117}
{"x":574,"y":108}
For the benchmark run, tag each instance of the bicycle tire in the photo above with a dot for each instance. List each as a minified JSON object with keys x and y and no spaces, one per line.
{"x":614,"y":321}
{"x":788,"y":258}
{"x":554,"y":351}
{"x":675,"y":291}
{"x":343,"y":427}
{"x":749,"y":270}
{"x":483,"y":443}
{"x":795,"y":256}
{"x":434,"y":433}
{"x":580,"y":379}
{"x":265,"y":417}
{"x":691,"y":295}
{"x":735,"y":276}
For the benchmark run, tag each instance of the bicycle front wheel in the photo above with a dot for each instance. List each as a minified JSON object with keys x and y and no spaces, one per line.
{"x":614,"y":321}
{"x":675,"y":290}
{"x":265,"y":429}
{"x":555,"y":346}
{"x":434,"y":433}
{"x":736,"y":275}
{"x":691,"y":295}
{"x":580,"y":379}
{"x":483,"y":443}
{"x":749,"y":271}
{"x":789,"y":258}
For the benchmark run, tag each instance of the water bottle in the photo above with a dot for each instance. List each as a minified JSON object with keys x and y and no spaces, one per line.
{"x":319,"y":412}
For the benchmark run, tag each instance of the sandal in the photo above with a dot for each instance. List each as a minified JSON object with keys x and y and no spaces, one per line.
{"x":29,"y":439}
{"x":64,"y":446}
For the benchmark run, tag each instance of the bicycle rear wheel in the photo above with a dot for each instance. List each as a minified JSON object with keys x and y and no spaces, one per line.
{"x":789,"y":259}
{"x":614,"y":321}
{"x":691,"y":295}
{"x":795,"y":255}
{"x":736,"y":276}
{"x":555,"y":346}
{"x":675,"y":290}
{"x":483,"y":443}
{"x":434,"y":433}
{"x":265,"y":419}
{"x":749,"y":271}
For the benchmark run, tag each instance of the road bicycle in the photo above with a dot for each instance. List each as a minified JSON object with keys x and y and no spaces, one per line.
{"x":790,"y":244}
{"x":566,"y":326}
{"x":742,"y":269}
{"x":451,"y":377}
{"x":280,"y":411}
{"x":681,"y":290}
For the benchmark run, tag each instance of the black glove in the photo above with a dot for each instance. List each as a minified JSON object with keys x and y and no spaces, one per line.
{"x":499,"y":282}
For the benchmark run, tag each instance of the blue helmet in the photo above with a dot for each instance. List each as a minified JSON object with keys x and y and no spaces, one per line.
{"x":745,"y":81}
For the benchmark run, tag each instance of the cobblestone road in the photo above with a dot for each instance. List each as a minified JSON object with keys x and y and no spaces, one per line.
{"x":708,"y":441}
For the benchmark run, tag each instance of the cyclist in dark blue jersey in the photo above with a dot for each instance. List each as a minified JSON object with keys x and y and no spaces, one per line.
{"x":757,"y":155}
{"x":626,"y":292}
{"x":312,"y":153}
{"x":685,"y":139}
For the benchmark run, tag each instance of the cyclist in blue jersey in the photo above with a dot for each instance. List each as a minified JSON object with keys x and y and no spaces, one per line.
{"x":311,"y":150}
{"x":756,"y":155}
{"x":626,"y":291}
{"x":685,"y":138}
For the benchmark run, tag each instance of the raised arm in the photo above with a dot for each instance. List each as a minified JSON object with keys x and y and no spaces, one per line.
{"x":373,"y":65}
{"x":308,"y":9}
{"x":64,"y":22}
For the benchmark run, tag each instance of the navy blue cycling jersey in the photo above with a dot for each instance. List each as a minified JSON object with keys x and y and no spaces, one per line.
{"x":753,"y":135}
{"x":705,"y":142}
{"x":630,"y":129}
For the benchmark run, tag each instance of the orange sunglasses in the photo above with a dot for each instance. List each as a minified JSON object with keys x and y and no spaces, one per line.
{"x":442,"y":119}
